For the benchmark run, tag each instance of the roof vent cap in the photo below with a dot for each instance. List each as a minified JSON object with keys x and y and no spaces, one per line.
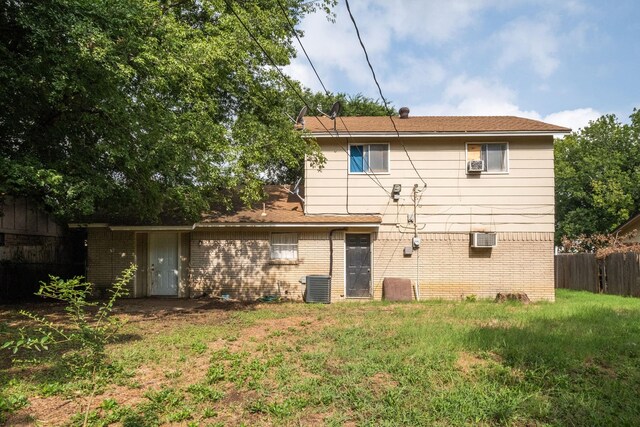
{"x":404,"y":112}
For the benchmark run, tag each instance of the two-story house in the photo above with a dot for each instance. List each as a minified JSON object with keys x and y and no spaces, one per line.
{"x":459,"y":206}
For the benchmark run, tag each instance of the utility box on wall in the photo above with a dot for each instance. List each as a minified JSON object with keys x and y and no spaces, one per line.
{"x":397,"y":289}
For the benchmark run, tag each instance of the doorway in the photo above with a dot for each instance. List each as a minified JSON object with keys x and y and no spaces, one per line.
{"x":358,"y":265}
{"x":163,"y":264}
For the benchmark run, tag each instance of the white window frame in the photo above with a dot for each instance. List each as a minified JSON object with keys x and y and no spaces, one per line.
{"x":276,"y":249}
{"x":466,"y":158}
{"x":368,"y":170}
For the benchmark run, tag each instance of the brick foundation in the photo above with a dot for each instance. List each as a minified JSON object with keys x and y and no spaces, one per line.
{"x":448,"y":268}
{"x":238,"y":263}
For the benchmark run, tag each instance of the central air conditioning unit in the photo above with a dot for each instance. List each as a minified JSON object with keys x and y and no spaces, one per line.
{"x":475,"y":166}
{"x":318,"y":288}
{"x":484,"y":240}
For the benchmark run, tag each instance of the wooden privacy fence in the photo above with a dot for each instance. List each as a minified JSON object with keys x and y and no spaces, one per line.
{"x":19,"y":281}
{"x":617,"y":274}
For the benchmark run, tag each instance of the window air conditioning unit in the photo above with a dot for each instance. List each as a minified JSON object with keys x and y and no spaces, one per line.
{"x":475,"y":166}
{"x":484,"y":240}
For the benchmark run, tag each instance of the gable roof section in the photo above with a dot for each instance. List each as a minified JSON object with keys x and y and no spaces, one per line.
{"x":431,"y":125}
{"x":631,"y":224}
{"x":282,"y":208}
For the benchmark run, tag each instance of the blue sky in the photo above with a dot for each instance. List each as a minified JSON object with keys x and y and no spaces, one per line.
{"x":563,"y":61}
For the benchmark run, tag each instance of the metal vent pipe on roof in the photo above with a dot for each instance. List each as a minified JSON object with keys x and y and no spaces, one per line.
{"x":404,"y":112}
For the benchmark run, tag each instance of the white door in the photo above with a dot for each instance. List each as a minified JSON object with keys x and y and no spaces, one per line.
{"x":163,"y":263}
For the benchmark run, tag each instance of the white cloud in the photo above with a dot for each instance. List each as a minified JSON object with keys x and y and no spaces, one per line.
{"x":464,"y":96}
{"x":432,"y":21}
{"x":530,"y":40}
{"x":574,"y":119}
{"x":411,"y":75}
{"x":304,"y":73}
{"x":425,"y":50}
{"x":473,"y":96}
{"x":384,"y":26}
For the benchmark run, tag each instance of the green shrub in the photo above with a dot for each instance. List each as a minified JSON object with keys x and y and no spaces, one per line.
{"x":92,"y":325}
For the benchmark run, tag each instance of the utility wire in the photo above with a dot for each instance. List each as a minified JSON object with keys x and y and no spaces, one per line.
{"x":326,"y":91}
{"x":295,"y":33}
{"x":375,"y":79}
{"x":286,"y":79}
{"x":291,"y":85}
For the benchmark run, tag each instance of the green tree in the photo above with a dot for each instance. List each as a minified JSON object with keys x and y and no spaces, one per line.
{"x":597,"y":174}
{"x":144,"y":110}
{"x":352,"y":105}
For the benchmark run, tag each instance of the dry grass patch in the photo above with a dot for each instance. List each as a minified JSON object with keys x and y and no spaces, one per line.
{"x":434,"y":363}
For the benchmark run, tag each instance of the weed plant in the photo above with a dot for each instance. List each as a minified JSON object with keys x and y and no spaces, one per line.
{"x":83,"y":335}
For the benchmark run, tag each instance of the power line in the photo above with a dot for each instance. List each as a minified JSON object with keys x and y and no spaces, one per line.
{"x":375,"y":79}
{"x":326,"y":91}
{"x":286,"y":79}
{"x":286,"y":16}
{"x":291,"y":85}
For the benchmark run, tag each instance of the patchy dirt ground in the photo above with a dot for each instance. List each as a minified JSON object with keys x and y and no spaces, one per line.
{"x":211,"y":363}
{"x":148,"y":318}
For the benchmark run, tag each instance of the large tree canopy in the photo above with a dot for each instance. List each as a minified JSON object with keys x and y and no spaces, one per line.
{"x":352,"y":105}
{"x":597,"y":175}
{"x":139,"y":110}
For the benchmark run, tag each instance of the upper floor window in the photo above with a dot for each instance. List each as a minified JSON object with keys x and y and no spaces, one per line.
{"x":369,"y":158}
{"x":494,"y":157}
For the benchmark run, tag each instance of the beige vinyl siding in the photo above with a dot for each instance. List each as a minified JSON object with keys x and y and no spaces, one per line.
{"x":633,"y":227}
{"x":521,"y":200}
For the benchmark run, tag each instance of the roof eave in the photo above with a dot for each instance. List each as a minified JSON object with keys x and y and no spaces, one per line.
{"x":287,"y":224}
{"x":352,"y":134}
{"x":133,"y":227}
{"x":631,"y":223}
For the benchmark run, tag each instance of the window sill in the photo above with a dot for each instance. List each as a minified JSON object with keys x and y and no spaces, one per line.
{"x":370,"y":173}
{"x":487,"y":173}
{"x":283,"y":262}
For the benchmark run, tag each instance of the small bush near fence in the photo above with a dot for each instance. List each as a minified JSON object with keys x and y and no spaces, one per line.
{"x":20,"y":281}
{"x":616,"y":274}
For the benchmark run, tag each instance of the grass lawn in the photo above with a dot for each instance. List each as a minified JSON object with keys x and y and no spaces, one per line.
{"x":574,"y":362}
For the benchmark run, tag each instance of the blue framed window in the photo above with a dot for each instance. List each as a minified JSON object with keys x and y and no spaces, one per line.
{"x":369,"y":158}
{"x":356,"y":163}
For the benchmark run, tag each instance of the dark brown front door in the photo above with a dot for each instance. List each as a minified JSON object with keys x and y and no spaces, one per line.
{"x":358,"y":265}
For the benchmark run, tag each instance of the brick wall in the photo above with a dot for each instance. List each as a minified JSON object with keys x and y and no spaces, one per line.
{"x":108,"y":253}
{"x":238,"y":264}
{"x":449,"y":268}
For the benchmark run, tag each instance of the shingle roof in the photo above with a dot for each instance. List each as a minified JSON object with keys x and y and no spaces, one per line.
{"x":282,"y":207}
{"x":631,"y":224}
{"x":432,"y":124}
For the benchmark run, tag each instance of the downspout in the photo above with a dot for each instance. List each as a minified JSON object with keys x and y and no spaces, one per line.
{"x":415,"y":235}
